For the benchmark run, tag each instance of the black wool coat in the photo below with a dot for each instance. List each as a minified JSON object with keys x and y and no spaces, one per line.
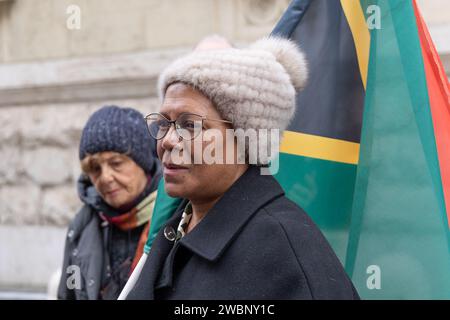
{"x":253,"y":244}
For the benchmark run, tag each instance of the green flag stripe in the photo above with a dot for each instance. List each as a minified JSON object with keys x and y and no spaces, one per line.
{"x":324,"y":189}
{"x":397,"y":217}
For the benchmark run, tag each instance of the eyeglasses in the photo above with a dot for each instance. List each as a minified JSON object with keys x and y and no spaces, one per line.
{"x":188,"y":125}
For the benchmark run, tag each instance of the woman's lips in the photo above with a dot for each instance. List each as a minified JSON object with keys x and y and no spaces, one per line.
{"x":171,"y":169}
{"x":112,"y":193}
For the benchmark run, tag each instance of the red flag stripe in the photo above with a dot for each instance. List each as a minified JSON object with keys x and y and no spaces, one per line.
{"x":439,"y":95}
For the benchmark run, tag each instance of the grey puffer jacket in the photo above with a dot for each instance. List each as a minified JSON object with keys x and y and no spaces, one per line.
{"x":94,"y":247}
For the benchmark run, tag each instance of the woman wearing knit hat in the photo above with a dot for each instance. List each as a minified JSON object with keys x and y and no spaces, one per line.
{"x":236,"y":235}
{"x":118,"y":188}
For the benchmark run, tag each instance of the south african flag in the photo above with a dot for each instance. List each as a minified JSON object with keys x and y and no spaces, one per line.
{"x":368,"y":154}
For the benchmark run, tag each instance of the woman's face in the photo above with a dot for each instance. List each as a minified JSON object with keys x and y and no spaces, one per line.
{"x":193,"y":180}
{"x":117,"y":178}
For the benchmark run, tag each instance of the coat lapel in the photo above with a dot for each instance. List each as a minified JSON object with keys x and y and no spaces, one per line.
{"x":156,"y":258}
{"x":247,"y":195}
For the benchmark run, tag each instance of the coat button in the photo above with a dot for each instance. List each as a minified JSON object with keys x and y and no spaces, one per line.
{"x":108,"y":271}
{"x":75,"y":252}
{"x":170,"y":233}
{"x":70,"y":234}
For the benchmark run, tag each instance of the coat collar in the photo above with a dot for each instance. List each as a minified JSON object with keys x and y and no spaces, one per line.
{"x":218,"y":228}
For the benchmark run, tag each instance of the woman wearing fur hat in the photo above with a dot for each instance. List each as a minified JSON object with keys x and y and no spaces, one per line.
{"x":118,"y":188}
{"x":236,"y":235}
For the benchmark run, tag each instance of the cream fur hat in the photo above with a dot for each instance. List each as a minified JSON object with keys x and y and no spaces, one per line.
{"x":254,"y":88}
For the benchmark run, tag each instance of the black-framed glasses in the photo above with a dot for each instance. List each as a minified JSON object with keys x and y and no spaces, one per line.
{"x":188,"y":125}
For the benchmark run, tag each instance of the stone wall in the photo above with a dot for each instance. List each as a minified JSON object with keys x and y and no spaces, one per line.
{"x":40,"y":163}
{"x":41,"y":123}
{"x":36,"y":30}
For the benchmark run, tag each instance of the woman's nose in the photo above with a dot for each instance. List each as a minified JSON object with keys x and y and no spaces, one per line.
{"x":171,"y":139}
{"x":107,"y":175}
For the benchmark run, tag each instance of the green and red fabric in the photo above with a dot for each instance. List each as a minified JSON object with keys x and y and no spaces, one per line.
{"x":137,"y":216}
{"x":367,"y":155}
{"x":165,"y":206}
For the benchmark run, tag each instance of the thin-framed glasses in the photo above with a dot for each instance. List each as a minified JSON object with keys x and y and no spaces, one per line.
{"x":188,"y":125}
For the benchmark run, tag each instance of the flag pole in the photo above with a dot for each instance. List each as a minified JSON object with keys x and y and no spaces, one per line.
{"x":133,"y":278}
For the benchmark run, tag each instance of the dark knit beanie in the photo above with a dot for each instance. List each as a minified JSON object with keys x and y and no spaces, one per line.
{"x":122,"y":130}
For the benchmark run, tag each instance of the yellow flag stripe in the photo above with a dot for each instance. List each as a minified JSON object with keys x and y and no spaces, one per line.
{"x":361,"y":35}
{"x":311,"y":146}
